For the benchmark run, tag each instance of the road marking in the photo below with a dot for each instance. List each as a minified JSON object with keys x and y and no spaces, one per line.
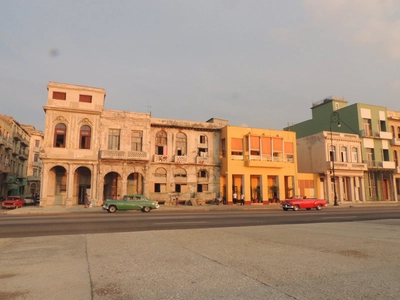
{"x":169,"y":223}
{"x":346,"y":217}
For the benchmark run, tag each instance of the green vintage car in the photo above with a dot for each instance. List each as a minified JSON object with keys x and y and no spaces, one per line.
{"x":130,"y":202}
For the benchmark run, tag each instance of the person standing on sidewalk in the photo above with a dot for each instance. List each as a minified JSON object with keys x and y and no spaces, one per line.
{"x":242,"y":199}
{"x":235,"y":198}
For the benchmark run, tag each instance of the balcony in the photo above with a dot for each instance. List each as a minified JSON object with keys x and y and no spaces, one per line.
{"x":385,"y":135}
{"x":396,"y":142}
{"x":202,"y":160}
{"x":160,"y":158}
{"x":373,"y":164}
{"x":347,"y":166}
{"x":123,"y":155}
{"x":33,"y":178}
{"x":267,"y":162}
{"x":181,"y":159}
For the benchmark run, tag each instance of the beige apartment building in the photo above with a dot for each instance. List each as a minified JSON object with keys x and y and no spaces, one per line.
{"x":394,"y":125}
{"x":34,"y":168}
{"x":336,"y":158}
{"x":88,"y":149}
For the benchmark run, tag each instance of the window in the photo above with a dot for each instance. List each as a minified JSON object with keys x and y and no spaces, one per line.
{"x":84,"y":137}
{"x":180,"y":173}
{"x":202,"y":188}
{"x":59,"y":95}
{"x":393,"y":131}
{"x":386,"y":155}
{"x":343,"y":154}
{"x":223,"y":148}
{"x":332,"y":150}
{"x":203,"y":149}
{"x":60,"y":135}
{"x":181,"y":143}
{"x":35,"y":172}
{"x":37,"y":143}
{"x":367,"y":127}
{"x":36,"y":157}
{"x":382,"y":125}
{"x":202,"y":174}
{"x":161,"y":143}
{"x":395,"y":157}
{"x":136,"y":140}
{"x":85,"y":98}
{"x":113,"y":139}
{"x":160,"y":187}
{"x":255,"y":145}
{"x":370,"y":156}
{"x":237,"y":146}
{"x":354,"y":154}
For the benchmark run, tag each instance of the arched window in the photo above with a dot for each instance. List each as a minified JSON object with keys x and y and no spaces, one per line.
{"x":60,"y":133}
{"x":343,"y":154}
{"x":84,"y":137}
{"x":354,"y":154}
{"x":161,"y":143}
{"x":181,"y":143}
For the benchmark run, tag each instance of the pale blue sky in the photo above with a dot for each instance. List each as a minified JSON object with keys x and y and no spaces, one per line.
{"x":253,"y":63}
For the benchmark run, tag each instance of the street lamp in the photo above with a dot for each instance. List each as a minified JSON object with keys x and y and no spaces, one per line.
{"x":334,"y":119}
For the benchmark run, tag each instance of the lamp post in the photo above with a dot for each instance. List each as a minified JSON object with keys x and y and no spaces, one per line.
{"x":334,"y":119}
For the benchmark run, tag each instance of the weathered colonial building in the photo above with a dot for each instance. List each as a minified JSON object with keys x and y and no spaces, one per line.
{"x":14,"y":153}
{"x":88,"y":149}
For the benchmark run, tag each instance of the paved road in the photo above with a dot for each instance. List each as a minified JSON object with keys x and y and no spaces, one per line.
{"x":98,"y":221}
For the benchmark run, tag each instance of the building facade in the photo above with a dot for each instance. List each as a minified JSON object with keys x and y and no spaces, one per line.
{"x":258,"y":163}
{"x":88,"y":149}
{"x":14,"y":153}
{"x":34,"y":169}
{"x":370,"y":123}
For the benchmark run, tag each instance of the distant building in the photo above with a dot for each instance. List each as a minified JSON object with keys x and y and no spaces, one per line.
{"x":337,"y":133}
{"x":14,"y":154}
{"x":34,"y":169}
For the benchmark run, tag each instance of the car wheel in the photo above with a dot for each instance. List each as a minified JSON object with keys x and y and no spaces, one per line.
{"x":319,"y":207}
{"x":286,"y":209}
{"x":308,"y":208}
{"x":296,"y":207}
{"x":112,"y":209}
{"x":146,"y":209}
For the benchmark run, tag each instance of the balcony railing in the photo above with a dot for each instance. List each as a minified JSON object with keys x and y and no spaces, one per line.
{"x":396,"y":142}
{"x":374,"y":164}
{"x":347,"y":165}
{"x":160,"y":158}
{"x":202,"y":160}
{"x":123,"y":155}
{"x":182,"y":159}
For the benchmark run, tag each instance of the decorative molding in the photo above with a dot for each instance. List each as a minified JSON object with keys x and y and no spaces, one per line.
{"x":85,"y":121}
{"x":61,"y":119}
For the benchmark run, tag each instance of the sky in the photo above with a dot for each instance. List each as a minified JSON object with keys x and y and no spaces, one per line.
{"x":254,"y":63}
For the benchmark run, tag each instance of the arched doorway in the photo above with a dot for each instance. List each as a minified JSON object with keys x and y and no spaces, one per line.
{"x":112,"y":186}
{"x":134,"y":184}
{"x":82,"y":184}
{"x":57,"y":188}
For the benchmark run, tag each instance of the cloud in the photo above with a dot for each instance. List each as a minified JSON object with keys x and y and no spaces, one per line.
{"x":368,"y":23}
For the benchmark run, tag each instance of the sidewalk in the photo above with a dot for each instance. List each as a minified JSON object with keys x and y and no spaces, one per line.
{"x":273,"y":206}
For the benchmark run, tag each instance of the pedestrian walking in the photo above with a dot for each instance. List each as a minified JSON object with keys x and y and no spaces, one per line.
{"x":242,"y":199}
{"x":87,"y":203}
{"x":235,"y":198}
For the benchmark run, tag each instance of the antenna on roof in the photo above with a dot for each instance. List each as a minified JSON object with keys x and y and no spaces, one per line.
{"x":148,"y":107}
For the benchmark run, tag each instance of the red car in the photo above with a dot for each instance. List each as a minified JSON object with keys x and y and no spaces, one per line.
{"x":297,"y":204}
{"x":13,"y":202}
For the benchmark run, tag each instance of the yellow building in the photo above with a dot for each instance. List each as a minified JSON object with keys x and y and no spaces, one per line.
{"x":259,"y":163}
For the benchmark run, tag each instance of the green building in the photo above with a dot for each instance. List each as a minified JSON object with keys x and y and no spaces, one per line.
{"x":336,"y":128}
